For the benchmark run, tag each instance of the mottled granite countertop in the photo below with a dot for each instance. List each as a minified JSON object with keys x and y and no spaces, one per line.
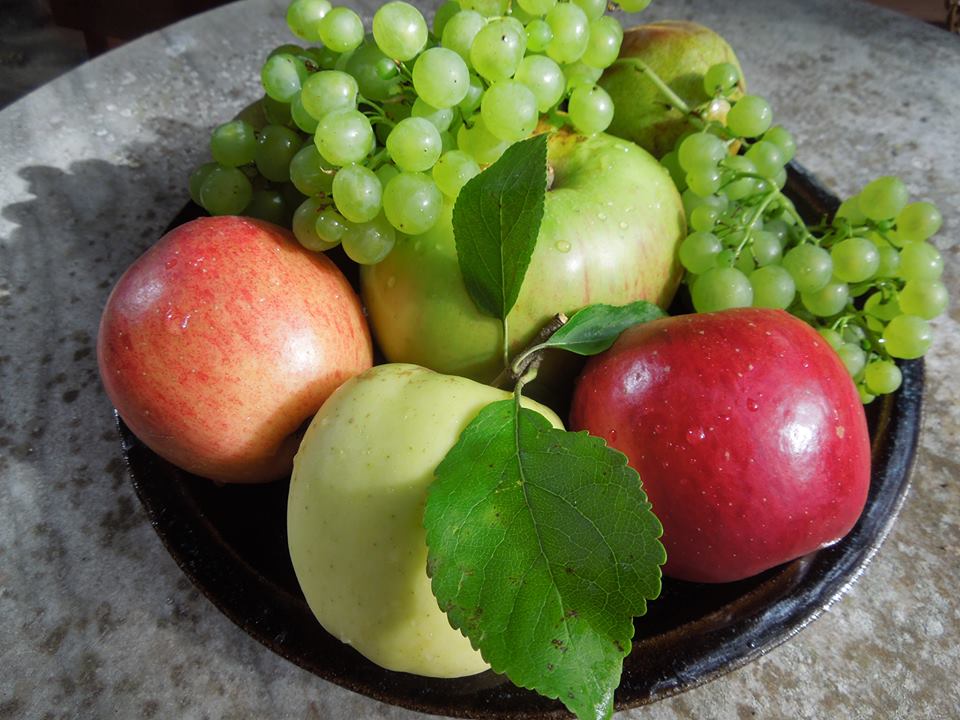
{"x":96,"y":620}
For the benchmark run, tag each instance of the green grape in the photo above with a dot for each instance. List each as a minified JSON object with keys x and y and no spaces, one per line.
{"x":197,"y":178}
{"x":509,"y":110}
{"x":453,"y":170}
{"x":479,"y":142}
{"x":704,"y":218}
{"x":341,"y":30}
{"x":310,"y":173}
{"x":330,"y":227}
{"x":537,"y":7}
{"x":304,"y":225}
{"x":301,"y":118}
{"x":701,"y":150}
{"x":779,"y":228}
{"x":304,"y":16}
{"x":854,"y":334}
{"x":882,"y":377}
{"x":579,"y":73}
{"x":344,"y":137}
{"x":362,"y":64}
{"x":225,"y":191}
{"x":883,"y":198}
{"x":276,"y":146}
{"x":889,"y":264}
{"x":783,"y":139}
{"x":267,"y":205}
{"x":720,"y":288}
{"x":829,"y":300}
{"x":441,"y":77}
{"x":671,"y":162}
{"x":593,"y":9}
{"x":386,"y":172}
{"x":544,"y":78}
{"x":603,"y":44}
{"x":487,"y":8}
{"x":443,"y":15}
{"x":233,"y":143}
{"x":866,"y":397}
{"x":282,"y":76}
{"x":742,"y":187}
{"x":414,"y":144}
{"x":833,"y":338}
{"x":369,"y":243}
{"x":766,"y":248}
{"x":699,"y":251}
{"x":720,"y":79}
{"x":539,"y":35}
{"x":471,"y":101}
{"x":276,"y":112}
{"x":357,"y":193}
{"x":924,"y":298}
{"x":853,"y":358}
{"x":766,"y":157}
{"x":810,"y":266}
{"x":412,"y":203}
{"x":633,"y":6}
{"x":920,"y":261}
{"x":750,"y":116}
{"x":460,"y":31}
{"x":329,"y":91}
{"x":745,"y":263}
{"x":772,"y":287}
{"x":780,"y":178}
{"x":440,"y":118}
{"x":571,"y":32}
{"x":323,"y":57}
{"x":590,"y":109}
{"x":918,"y":221}
{"x":399,"y":30}
{"x":691,"y":201}
{"x":850,"y":210}
{"x":855,"y":259}
{"x":287,"y":48}
{"x":704,"y":180}
{"x":498,"y":49}
{"x":907,"y":337}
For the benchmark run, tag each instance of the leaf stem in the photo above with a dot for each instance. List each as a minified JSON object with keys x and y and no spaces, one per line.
{"x":641,"y":67}
{"x":512,"y":372}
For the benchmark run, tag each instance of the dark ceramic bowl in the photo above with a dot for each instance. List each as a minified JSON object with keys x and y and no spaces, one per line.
{"x":232,"y":543}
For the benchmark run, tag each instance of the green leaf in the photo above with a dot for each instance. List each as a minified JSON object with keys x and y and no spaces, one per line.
{"x":595,"y":328}
{"x":542,"y":549}
{"x":495,"y":225}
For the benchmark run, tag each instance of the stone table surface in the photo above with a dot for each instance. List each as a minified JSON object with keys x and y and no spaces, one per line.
{"x":96,"y":619}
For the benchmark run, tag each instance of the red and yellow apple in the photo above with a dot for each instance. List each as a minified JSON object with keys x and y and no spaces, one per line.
{"x":747,"y":432}
{"x":611,"y":226}
{"x":222,"y":340}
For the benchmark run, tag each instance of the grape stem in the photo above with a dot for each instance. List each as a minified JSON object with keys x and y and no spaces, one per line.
{"x":757,"y":213}
{"x":641,"y":67}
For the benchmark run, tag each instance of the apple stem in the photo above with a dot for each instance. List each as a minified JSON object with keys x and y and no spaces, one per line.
{"x":530,"y":356}
{"x":641,"y":67}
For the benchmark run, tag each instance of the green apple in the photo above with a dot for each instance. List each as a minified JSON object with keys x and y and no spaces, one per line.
{"x":611,"y":226}
{"x":355,"y":514}
{"x":679,"y":52}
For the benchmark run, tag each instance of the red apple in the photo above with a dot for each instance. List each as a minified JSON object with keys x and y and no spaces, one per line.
{"x":220,"y":341}
{"x":747,"y":432}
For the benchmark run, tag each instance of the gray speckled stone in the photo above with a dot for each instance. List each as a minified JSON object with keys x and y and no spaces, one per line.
{"x":95,"y":618}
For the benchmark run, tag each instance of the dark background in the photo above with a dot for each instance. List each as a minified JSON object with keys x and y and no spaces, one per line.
{"x":41,"y":39}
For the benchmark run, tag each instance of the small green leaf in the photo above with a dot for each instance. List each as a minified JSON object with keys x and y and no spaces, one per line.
{"x":495,"y":225}
{"x":542,"y":550}
{"x":595,"y":328}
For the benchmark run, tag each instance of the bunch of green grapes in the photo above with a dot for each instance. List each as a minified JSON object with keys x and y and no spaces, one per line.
{"x":367,"y":133}
{"x":868,"y":280}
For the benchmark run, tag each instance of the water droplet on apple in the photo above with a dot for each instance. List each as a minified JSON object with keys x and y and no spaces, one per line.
{"x":695,"y":435}
{"x":170,"y":264}
{"x":752,"y":405}
{"x":612,"y":435}
{"x":623,"y":225}
{"x":602,"y":216}
{"x":563,"y":246}
{"x":391,"y":281}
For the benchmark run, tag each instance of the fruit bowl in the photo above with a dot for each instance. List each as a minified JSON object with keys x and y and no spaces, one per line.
{"x":231,"y":541}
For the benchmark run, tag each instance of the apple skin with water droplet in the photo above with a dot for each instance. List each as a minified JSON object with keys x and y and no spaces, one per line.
{"x":746,"y":429}
{"x":221,"y":340}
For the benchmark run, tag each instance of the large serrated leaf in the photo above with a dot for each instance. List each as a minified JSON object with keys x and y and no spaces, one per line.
{"x":542,"y":549}
{"x":495,"y":224}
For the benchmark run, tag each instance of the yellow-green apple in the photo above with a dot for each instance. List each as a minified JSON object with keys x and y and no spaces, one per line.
{"x":611,"y":226}
{"x":679,"y":52}
{"x":747,"y":432}
{"x":222,"y":340}
{"x":355,"y":514}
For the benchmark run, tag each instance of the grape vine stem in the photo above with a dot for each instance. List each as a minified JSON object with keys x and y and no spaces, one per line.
{"x":641,"y":67}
